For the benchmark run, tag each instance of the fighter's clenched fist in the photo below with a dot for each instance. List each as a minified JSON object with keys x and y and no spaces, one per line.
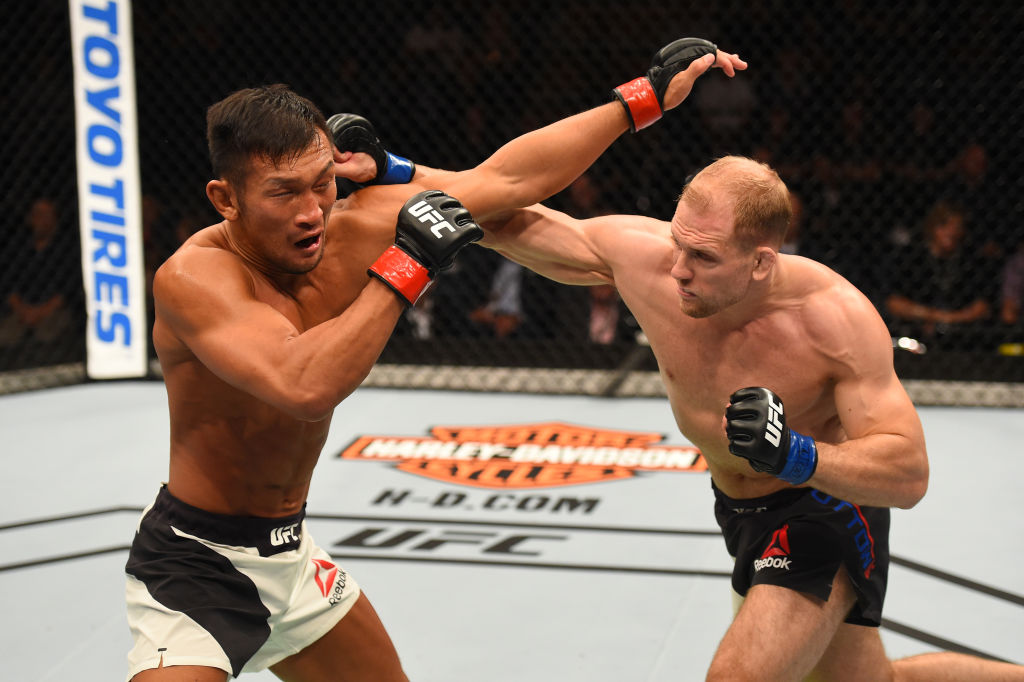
{"x":646,"y":97}
{"x":354,"y":133}
{"x":755,"y":423}
{"x":432,"y":227}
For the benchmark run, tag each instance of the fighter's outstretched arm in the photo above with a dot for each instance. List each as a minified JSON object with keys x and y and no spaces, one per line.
{"x":570,"y":250}
{"x":541,"y":163}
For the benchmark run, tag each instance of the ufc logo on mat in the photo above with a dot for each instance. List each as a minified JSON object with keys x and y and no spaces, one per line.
{"x":773,"y":429}
{"x":422,"y":210}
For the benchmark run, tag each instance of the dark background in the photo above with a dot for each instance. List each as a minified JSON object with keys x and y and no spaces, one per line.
{"x":831,"y":99}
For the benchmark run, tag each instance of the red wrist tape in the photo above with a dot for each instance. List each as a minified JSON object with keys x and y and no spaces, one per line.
{"x":641,"y":102}
{"x":404,"y":274}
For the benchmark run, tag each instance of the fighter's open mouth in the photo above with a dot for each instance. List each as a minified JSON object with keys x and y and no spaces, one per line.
{"x":307,"y":242}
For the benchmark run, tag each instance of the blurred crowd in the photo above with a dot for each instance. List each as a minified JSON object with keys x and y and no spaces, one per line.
{"x":892,"y":128}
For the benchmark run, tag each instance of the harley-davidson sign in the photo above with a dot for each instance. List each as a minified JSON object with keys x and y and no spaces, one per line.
{"x":527,"y":455}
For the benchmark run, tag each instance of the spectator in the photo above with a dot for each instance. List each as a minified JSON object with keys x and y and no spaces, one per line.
{"x":154,"y":237}
{"x":791,"y":242}
{"x":726,"y":108}
{"x":918,"y":162}
{"x":976,"y":187}
{"x":857,"y":161}
{"x":778,"y":142}
{"x":940,"y":294}
{"x":970,"y":176}
{"x":189,"y":221}
{"x":420,"y":319}
{"x":605,"y":313}
{"x":1012,"y":287}
{"x":503,"y":312}
{"x":42,"y":295}
{"x":823,"y":235}
{"x":608,"y":320}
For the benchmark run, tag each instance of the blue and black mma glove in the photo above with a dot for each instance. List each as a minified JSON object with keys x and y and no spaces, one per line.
{"x":757,"y":431}
{"x":353,"y":133}
{"x":432,"y":228}
{"x":644,"y":97}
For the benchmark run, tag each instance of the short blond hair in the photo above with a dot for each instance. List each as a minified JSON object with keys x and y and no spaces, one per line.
{"x":762,"y":209}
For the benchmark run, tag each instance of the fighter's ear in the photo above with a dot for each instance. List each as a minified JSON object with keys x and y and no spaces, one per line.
{"x":224,"y":198}
{"x":764,"y":260}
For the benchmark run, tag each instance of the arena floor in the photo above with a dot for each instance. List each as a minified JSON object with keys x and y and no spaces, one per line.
{"x":481,"y":569}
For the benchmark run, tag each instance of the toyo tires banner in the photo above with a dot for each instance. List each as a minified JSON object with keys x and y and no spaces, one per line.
{"x":109,"y":200}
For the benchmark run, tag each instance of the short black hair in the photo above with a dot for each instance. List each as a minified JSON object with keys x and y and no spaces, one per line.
{"x":270,"y":122}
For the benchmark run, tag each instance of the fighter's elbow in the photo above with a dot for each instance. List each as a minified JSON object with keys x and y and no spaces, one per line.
{"x":518,"y":195}
{"x":309,"y":405}
{"x":308,"y":411}
{"x":315,"y":414}
{"x":915,"y":487}
{"x":912,"y":496}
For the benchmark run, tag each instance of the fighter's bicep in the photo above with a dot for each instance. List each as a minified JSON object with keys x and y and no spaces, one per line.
{"x":869,"y":397}
{"x":237,"y":337}
{"x":869,"y":405}
{"x":481,"y":191}
{"x":569,"y":249}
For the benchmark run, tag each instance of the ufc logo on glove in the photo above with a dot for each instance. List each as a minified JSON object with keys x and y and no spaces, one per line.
{"x":411,"y":264}
{"x":773,"y":429}
{"x":757,"y":431}
{"x":426,"y":213}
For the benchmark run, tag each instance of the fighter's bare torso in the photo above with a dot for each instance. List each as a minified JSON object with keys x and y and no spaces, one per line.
{"x":231,"y":452}
{"x":787,"y":345}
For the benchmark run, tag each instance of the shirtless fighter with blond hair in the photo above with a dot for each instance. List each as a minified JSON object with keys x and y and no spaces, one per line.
{"x":781,"y":372}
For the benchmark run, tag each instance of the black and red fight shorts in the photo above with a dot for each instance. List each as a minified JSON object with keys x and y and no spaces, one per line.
{"x":798,"y":538}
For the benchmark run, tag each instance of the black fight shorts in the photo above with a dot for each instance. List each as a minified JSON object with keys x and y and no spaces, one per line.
{"x":798,"y":538}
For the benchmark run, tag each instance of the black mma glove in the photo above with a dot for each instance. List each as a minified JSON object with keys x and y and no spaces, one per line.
{"x":353,"y":133}
{"x":757,"y":431}
{"x":432,"y":228}
{"x":644,"y":97}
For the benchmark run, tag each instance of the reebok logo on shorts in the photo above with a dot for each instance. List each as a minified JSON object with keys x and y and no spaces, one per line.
{"x":330,"y":579}
{"x":777,"y":553}
{"x":325,"y":574}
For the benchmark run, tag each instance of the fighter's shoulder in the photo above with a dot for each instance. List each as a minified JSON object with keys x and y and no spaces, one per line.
{"x":826,"y":294}
{"x":835,"y":315}
{"x":614,"y":226}
{"x":633,"y":242}
{"x":636,"y":225}
{"x":371,"y":209}
{"x":203,"y":264}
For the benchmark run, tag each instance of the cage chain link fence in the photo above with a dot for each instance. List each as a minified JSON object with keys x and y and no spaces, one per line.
{"x":898,"y":127}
